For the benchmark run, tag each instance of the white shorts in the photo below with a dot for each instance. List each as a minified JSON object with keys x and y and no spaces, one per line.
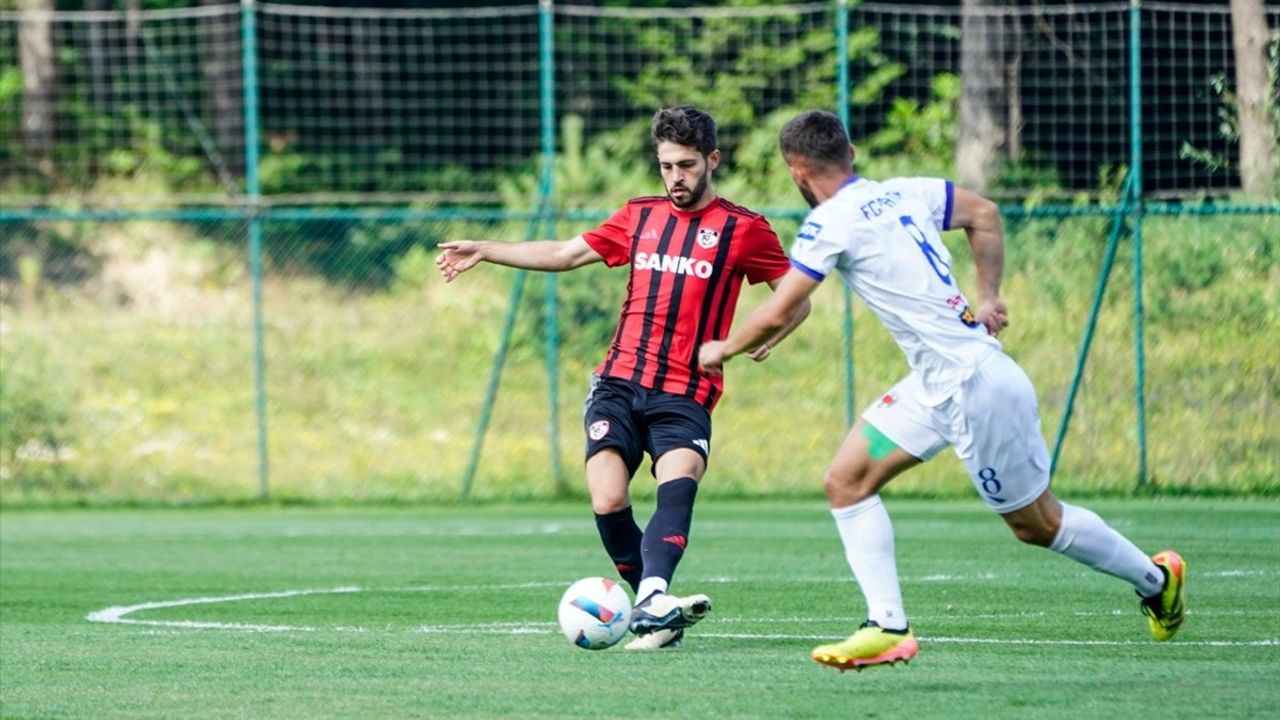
{"x":992,"y":421}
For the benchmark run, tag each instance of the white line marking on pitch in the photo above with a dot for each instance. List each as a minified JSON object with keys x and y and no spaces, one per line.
{"x":501,"y":586}
{"x":1009,"y":641}
{"x":118,"y":615}
{"x":548,"y":628}
{"x":513,"y":628}
{"x":943,"y":617}
{"x":846,"y":579}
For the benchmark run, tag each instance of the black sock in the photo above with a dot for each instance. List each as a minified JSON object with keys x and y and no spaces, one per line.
{"x":621,"y":536}
{"x":668,"y":531}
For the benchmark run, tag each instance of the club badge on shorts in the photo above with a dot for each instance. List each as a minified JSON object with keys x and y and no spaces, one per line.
{"x":598,"y":429}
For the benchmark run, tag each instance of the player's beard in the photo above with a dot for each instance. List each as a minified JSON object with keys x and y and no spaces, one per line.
{"x":807,"y":194}
{"x":695,"y":194}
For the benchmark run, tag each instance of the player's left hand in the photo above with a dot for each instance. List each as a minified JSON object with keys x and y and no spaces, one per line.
{"x":711,"y":358}
{"x":993,"y":314}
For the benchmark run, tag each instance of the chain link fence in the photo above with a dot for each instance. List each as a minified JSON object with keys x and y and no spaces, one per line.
{"x":182,"y":323}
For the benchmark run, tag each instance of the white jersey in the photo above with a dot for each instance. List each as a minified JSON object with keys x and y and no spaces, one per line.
{"x":884,"y":239}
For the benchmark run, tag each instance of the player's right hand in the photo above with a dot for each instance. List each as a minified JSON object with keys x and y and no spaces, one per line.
{"x":711,"y":358}
{"x":457,"y":257}
{"x":993,"y":314}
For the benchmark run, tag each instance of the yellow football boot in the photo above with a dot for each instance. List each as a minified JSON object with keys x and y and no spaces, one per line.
{"x":1165,"y":609}
{"x":871,"y":645}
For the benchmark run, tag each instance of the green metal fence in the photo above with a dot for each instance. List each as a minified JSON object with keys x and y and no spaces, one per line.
{"x":217,"y":225}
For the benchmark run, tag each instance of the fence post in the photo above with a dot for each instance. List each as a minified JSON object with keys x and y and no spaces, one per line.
{"x":842,"y":103}
{"x":1108,"y":260}
{"x":547,"y":79}
{"x":543,"y":212}
{"x":249,"y":61}
{"x":1136,"y":191}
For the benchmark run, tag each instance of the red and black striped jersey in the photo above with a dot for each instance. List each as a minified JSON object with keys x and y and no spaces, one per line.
{"x":686,"y":271}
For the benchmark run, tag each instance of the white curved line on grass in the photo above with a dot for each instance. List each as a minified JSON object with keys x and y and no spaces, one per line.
{"x":117,"y":614}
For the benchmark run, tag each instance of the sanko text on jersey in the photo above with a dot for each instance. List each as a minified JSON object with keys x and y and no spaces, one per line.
{"x":673,"y":264}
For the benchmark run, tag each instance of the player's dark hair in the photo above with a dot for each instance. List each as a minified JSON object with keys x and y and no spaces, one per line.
{"x":685,"y":125}
{"x":818,"y":137}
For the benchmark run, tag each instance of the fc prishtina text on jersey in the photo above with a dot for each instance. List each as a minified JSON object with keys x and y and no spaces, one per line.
{"x":686,"y":271}
{"x":883,"y":237}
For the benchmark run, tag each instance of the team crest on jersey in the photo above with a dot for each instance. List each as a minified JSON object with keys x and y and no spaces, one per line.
{"x":809,"y":231}
{"x":887,"y":400}
{"x":598,"y":429}
{"x":963,"y":311}
{"x":707,"y":238}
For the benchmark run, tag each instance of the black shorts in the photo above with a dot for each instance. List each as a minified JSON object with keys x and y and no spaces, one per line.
{"x":634,"y":420}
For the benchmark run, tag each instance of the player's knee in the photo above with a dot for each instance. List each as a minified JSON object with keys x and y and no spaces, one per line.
{"x":846,"y":488}
{"x":608,"y":497}
{"x":609,"y":500}
{"x":1034,"y":533}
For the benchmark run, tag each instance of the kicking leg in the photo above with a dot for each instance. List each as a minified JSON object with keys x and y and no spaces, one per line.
{"x":660,"y":618}
{"x":608,"y":481}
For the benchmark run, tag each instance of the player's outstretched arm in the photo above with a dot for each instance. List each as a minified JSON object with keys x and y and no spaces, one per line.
{"x":980,"y":219}
{"x":459,"y":256}
{"x":773,"y":319}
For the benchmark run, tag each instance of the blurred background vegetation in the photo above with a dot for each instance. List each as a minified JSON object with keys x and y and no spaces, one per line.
{"x":127,"y":327}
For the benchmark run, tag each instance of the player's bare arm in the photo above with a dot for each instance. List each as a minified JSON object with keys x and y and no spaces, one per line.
{"x":980,"y":219}
{"x":459,"y":256}
{"x":762,"y":351}
{"x":766,"y":325}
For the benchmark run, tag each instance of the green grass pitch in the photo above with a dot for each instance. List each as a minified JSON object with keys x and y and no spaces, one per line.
{"x":449,"y":612}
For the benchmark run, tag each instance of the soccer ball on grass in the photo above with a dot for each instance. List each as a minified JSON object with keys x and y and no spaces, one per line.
{"x":595,"y":613}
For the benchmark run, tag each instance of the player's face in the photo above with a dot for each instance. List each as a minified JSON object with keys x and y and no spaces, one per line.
{"x":807,"y":194}
{"x":686,"y":174}
{"x":798,"y":177}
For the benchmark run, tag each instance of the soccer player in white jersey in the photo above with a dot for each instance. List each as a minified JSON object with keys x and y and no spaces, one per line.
{"x":962,"y":390}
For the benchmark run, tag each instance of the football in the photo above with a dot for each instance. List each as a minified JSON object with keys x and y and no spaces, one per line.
{"x":595,"y":613}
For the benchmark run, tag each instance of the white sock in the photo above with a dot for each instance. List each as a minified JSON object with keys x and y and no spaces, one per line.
{"x":1085,"y":538}
{"x":867,"y":534}
{"x":649,"y":586}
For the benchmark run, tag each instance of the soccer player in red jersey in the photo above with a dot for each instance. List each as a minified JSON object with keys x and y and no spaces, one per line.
{"x":688,"y":253}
